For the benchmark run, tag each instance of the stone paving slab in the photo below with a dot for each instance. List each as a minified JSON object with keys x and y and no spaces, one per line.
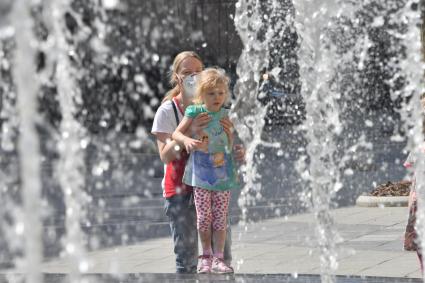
{"x":371,"y":246}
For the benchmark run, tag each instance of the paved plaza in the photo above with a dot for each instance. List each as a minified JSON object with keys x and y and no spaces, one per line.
{"x":371,"y":246}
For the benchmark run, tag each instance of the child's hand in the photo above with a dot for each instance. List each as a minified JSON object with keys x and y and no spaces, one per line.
{"x":191,"y":144}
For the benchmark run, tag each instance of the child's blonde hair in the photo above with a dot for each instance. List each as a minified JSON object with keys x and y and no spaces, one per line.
{"x":209,"y":79}
{"x":173,"y":74}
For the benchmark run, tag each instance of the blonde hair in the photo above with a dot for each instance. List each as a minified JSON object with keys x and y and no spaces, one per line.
{"x":209,"y":79}
{"x":173,"y":74}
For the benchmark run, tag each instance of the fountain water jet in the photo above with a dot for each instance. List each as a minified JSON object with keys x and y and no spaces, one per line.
{"x":27,"y":86}
{"x":248,"y":115}
{"x":71,"y":143}
{"x":320,"y":169}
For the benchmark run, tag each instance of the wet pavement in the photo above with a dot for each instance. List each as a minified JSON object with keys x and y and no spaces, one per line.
{"x":242,"y":278}
{"x":283,"y":247}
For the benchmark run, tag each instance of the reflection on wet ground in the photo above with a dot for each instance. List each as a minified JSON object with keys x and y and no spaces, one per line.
{"x":245,"y":278}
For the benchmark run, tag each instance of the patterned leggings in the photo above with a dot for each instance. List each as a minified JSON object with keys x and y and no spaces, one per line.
{"x":211,"y":207}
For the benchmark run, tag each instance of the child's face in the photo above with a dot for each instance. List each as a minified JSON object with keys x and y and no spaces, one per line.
{"x":214,"y":98}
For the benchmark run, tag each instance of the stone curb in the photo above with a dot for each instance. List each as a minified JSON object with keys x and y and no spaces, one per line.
{"x":372,"y":201}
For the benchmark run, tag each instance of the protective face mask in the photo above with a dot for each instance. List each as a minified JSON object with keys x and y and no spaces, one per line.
{"x":189,"y":84}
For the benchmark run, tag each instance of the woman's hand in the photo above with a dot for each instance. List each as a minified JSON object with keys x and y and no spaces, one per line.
{"x":199,"y":123}
{"x":191,"y":144}
{"x":228,"y":129}
{"x":239,"y":152}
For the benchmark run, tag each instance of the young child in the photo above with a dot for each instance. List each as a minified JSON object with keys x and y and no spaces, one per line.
{"x":210,"y":167}
{"x":411,"y":235}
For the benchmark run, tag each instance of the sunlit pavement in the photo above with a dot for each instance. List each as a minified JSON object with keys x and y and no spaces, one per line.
{"x":371,"y":246}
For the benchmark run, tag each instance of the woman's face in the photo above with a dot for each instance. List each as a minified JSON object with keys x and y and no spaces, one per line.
{"x":189,"y":66}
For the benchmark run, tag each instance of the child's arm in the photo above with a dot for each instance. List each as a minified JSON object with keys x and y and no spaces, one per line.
{"x":189,"y":143}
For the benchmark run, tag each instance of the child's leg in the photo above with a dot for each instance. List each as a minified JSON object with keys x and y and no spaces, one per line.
{"x":227,"y":243}
{"x":204,"y":217}
{"x":220,"y":205}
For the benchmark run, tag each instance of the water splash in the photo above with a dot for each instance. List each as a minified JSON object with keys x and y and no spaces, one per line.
{"x":412,"y":68}
{"x":10,"y":212}
{"x":248,"y":115}
{"x":27,"y":86}
{"x":322,"y":125}
{"x":71,"y":142}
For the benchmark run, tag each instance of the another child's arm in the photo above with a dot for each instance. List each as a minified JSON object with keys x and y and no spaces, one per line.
{"x":189,"y":143}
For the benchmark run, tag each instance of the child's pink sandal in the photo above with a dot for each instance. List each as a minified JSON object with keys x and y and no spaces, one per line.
{"x":205,"y":264}
{"x":220,"y":267}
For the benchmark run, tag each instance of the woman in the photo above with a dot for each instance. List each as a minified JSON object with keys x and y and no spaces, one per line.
{"x":179,"y":205}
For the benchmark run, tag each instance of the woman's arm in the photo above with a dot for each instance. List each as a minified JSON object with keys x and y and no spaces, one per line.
{"x":238,"y":149}
{"x":228,"y":129}
{"x":168,"y":149}
{"x":189,"y":143}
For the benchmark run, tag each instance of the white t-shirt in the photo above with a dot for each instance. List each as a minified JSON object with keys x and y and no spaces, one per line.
{"x":165,"y":122}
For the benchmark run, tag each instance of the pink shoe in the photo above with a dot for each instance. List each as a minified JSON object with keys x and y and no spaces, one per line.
{"x":205,"y":262}
{"x":220,"y":267}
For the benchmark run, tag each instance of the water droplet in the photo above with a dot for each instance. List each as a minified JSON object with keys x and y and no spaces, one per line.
{"x":110,"y":4}
{"x":84,"y":143}
{"x":19,"y":228}
{"x":83,"y":266}
{"x":70,"y":248}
